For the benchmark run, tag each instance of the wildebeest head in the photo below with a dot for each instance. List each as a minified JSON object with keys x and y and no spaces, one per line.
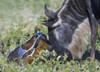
{"x":53,"y":22}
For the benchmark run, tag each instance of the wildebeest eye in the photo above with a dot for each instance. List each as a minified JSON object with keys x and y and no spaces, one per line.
{"x":49,"y":20}
{"x":52,"y":20}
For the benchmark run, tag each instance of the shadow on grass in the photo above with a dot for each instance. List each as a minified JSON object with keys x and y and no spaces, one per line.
{"x":87,"y":54}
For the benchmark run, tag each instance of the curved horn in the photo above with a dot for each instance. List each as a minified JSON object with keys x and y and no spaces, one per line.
{"x":49,"y":13}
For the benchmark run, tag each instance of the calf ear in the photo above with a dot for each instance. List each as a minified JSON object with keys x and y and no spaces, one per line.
{"x":50,"y":14}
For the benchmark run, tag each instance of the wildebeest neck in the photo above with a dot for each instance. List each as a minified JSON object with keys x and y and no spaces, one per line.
{"x":73,"y":12}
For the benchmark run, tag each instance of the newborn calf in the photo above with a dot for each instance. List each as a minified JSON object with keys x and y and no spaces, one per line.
{"x":31,"y":49}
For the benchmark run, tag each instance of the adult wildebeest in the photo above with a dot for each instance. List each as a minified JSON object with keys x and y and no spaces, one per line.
{"x":69,"y":26}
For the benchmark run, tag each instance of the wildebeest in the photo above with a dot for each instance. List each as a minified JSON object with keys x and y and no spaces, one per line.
{"x":30,"y":50}
{"x":69,"y":26}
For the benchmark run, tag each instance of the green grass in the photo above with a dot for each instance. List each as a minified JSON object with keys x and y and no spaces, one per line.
{"x":19,"y":19}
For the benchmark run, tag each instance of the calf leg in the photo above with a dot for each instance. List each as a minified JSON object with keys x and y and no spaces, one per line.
{"x":93,"y":24}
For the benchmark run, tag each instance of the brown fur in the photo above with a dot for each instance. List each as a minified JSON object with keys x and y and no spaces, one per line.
{"x":28,"y":44}
{"x":29,"y":56}
{"x":42,"y":45}
{"x":79,"y":42}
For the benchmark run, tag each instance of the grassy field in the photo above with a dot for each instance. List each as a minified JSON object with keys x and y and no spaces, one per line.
{"x":19,"y":20}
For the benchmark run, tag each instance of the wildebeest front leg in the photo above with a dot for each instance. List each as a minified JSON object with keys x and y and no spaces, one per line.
{"x":94,"y":26}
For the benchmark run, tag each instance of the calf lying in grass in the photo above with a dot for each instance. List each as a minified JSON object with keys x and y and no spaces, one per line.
{"x":31,"y":49}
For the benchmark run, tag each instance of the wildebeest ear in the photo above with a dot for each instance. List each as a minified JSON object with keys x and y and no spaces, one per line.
{"x":50,"y":14}
{"x":46,"y":23}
